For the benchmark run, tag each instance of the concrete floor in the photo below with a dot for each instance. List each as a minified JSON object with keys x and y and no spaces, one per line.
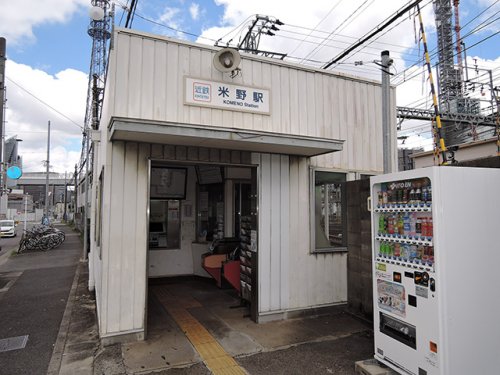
{"x":323,"y":344}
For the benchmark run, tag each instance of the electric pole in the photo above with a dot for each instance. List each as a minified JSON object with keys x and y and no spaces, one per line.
{"x":3,"y":45}
{"x":65,"y":196}
{"x":386,"y":112}
{"x":47,"y":174}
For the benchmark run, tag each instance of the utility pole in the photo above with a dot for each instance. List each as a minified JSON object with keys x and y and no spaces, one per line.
{"x":25,"y":210}
{"x":386,"y":112}
{"x":3,"y":201}
{"x":65,"y":196}
{"x":47,"y":174}
{"x":75,"y":193}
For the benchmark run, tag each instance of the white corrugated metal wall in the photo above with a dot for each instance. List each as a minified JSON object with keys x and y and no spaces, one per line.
{"x":303,"y":101}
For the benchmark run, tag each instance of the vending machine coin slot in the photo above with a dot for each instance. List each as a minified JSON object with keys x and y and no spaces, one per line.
{"x":433,"y":285}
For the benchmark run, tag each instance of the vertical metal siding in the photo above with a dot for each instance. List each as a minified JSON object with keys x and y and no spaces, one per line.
{"x":150,"y":85}
{"x":115,"y":244}
{"x":314,"y":279}
{"x":141,"y":237}
{"x":146,"y":80}
{"x":273,"y":231}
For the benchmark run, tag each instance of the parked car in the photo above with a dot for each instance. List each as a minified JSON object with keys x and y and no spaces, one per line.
{"x":7,"y":228}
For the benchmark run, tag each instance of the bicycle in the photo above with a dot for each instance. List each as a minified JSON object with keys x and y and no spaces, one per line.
{"x":40,"y":238}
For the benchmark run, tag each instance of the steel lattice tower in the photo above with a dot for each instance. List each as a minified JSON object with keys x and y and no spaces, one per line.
{"x":452,"y":95}
{"x":100,"y":32}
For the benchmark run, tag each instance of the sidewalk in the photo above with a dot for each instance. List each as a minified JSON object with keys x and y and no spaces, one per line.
{"x":328,"y":344}
{"x":33,"y":296}
{"x":78,"y":340}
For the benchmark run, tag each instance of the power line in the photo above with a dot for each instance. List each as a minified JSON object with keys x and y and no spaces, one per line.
{"x":375,"y":31}
{"x":44,"y":103}
{"x":435,"y":51}
{"x":334,"y":46}
{"x":173,"y":28}
{"x":342,"y":35}
{"x":412,"y":55}
{"x":479,"y":14}
{"x":465,"y":49}
{"x":349,"y":19}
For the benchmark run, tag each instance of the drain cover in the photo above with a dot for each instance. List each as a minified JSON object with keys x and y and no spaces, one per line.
{"x":13,"y":343}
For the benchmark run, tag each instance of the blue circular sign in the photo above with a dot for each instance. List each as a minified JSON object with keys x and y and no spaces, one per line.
{"x":14,"y":172}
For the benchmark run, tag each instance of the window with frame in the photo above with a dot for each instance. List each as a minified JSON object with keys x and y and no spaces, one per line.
{"x":328,"y":216}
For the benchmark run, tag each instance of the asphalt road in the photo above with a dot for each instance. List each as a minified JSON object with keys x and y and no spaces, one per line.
{"x":7,"y":243}
{"x":34,"y":303}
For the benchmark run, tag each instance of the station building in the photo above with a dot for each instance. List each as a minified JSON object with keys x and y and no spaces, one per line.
{"x":187,"y":156}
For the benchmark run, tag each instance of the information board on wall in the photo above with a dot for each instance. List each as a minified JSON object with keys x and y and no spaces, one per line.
{"x":223,"y":95}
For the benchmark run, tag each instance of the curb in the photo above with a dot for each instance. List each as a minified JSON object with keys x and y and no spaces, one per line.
{"x":57,"y":354}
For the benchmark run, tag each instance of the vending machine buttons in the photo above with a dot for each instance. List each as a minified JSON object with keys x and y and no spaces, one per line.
{"x":417,"y":277}
{"x":433,"y":285}
{"x":396,"y":277}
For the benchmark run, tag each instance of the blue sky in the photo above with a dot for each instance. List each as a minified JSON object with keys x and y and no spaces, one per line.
{"x":49,"y":51}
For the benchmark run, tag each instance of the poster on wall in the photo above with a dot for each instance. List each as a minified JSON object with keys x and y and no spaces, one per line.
{"x":168,"y":183}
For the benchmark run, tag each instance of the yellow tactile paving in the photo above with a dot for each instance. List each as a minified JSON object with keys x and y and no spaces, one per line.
{"x":217,"y":360}
{"x":199,"y":337}
{"x":211,"y":350}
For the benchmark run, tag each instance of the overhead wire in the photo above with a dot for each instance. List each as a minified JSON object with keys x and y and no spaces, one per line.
{"x":341,"y":35}
{"x":404,"y":50}
{"x":46,"y":104}
{"x":435,"y":51}
{"x":173,"y":28}
{"x":384,"y":33}
{"x":236,"y":29}
{"x":317,"y":25}
{"x":437,"y":64}
{"x":349,"y":19}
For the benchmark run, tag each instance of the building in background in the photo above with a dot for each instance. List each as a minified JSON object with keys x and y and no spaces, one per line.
{"x":405,"y":161}
{"x":466,"y":152}
{"x":33,"y":184}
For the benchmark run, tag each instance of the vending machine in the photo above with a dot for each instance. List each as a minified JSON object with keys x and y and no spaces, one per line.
{"x":436,"y":270}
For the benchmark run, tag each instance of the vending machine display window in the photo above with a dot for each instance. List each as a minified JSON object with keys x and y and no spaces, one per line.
{"x":328,"y":216}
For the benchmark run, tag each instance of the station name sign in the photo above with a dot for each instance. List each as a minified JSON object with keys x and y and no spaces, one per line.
{"x":222,"y":95}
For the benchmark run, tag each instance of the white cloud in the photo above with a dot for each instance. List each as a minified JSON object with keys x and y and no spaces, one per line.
{"x":27,"y":117}
{"x":19,"y":17}
{"x":194,"y":10}
{"x":171,"y":18}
